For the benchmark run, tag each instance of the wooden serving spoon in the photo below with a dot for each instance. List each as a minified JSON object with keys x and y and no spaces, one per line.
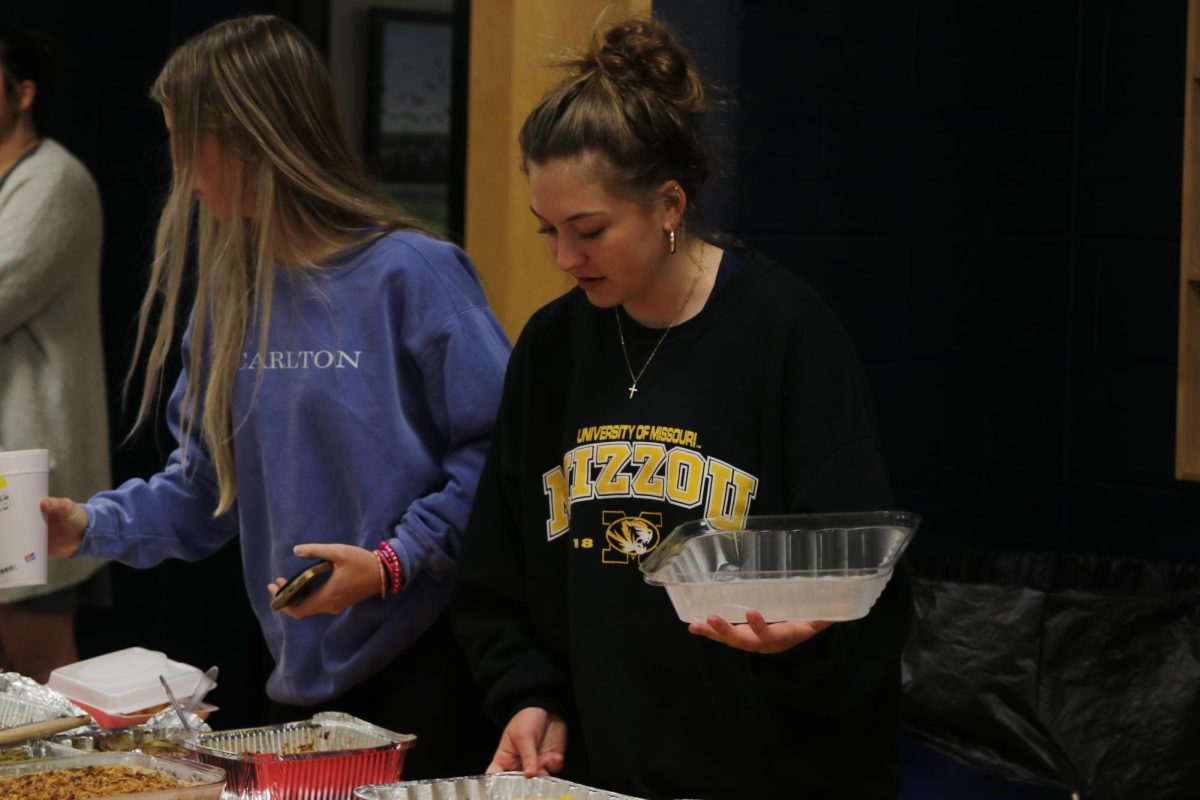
{"x":40,"y":730}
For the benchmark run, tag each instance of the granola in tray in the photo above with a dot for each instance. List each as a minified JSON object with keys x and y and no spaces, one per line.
{"x":80,"y":783}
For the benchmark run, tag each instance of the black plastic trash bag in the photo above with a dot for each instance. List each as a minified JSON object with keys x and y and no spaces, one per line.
{"x":1072,"y":671}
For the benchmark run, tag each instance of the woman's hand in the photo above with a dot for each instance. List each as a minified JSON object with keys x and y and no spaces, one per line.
{"x":757,"y":636}
{"x":65,"y":523}
{"x":533,"y":742}
{"x":355,"y":577}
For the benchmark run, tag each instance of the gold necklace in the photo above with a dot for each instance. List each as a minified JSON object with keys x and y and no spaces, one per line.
{"x":674,"y":317}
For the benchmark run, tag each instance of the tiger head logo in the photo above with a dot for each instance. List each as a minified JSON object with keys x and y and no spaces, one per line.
{"x":631,"y":536}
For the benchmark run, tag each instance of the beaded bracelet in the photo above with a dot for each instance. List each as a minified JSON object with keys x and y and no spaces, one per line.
{"x":397,"y":572}
{"x":388,"y":559}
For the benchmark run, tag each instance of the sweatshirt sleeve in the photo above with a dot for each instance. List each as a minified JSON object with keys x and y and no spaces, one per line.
{"x":49,"y":232}
{"x":463,"y":371}
{"x":143,"y":522}
{"x":490,"y":607}
{"x":829,"y":419}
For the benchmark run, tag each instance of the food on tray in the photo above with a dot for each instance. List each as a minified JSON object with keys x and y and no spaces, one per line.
{"x":292,"y":748}
{"x":126,"y":740}
{"x":35,"y":751}
{"x":148,"y":711}
{"x":84,"y":782}
{"x":116,"y":740}
{"x":283,"y":750}
{"x":161,"y":747}
{"x":145,"y":742}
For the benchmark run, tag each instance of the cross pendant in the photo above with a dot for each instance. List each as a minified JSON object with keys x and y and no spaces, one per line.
{"x":632,"y":390}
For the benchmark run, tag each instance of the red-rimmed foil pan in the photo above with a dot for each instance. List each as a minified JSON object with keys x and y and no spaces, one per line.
{"x":324,"y":758}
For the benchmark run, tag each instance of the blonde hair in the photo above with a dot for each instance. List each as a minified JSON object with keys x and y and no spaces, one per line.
{"x":263,"y":91}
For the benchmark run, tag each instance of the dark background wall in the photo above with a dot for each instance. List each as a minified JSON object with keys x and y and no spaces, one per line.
{"x":988,"y":195}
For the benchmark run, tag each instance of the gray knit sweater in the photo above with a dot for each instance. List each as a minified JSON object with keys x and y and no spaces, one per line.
{"x":52,"y":391}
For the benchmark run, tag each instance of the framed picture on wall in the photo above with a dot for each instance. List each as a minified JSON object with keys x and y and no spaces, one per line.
{"x":416,"y":108}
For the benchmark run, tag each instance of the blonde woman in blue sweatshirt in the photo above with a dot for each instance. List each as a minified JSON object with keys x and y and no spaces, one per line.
{"x":340,"y":380}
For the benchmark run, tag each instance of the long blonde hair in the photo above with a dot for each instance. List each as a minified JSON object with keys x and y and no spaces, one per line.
{"x":263,"y":91}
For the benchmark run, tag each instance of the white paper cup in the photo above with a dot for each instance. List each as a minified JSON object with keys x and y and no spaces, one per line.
{"x":24,"y":480}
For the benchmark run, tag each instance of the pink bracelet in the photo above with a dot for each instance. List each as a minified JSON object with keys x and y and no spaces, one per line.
{"x":396,"y":570}
{"x":389,"y":559}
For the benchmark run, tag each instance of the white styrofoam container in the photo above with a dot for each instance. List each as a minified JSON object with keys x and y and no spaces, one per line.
{"x":124,"y":680}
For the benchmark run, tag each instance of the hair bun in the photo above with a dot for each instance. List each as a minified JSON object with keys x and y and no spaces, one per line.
{"x":636,"y":99}
{"x":645,"y":52}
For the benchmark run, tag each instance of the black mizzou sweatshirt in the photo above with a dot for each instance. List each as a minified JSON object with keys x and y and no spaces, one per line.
{"x":757,"y":405}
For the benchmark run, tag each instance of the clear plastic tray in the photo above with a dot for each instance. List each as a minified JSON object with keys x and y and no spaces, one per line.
{"x":498,"y":786}
{"x":200,"y":782}
{"x":324,"y":758}
{"x":797,"y":567}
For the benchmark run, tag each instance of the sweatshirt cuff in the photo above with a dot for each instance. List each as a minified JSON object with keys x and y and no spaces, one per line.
{"x":807,"y":664}
{"x":87,"y":544}
{"x":555,"y":707}
{"x":407,"y":568}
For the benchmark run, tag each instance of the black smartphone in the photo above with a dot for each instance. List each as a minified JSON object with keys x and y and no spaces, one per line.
{"x":300,"y":585}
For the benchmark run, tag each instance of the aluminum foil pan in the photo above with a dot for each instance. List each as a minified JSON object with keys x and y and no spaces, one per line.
{"x":140,"y":739}
{"x":498,"y":786}
{"x":16,"y":710}
{"x":167,"y":722}
{"x":324,"y":758}
{"x":13,"y":684}
{"x":33,"y":751}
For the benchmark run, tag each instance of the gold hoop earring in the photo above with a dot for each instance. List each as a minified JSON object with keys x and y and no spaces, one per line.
{"x":672,"y":245}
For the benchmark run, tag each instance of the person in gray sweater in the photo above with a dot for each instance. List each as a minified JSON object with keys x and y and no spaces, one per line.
{"x":52,"y":389}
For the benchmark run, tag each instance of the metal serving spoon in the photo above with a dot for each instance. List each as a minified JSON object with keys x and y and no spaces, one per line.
{"x":175,"y":704}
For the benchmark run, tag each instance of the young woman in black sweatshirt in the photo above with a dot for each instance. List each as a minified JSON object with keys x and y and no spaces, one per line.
{"x":680,"y":379}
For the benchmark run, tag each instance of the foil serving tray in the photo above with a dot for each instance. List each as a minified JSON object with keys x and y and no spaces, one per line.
{"x":324,"y":758}
{"x":16,"y":711}
{"x":497,"y":786}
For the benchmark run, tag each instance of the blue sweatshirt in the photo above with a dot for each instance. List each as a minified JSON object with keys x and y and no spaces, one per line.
{"x":376,"y":399}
